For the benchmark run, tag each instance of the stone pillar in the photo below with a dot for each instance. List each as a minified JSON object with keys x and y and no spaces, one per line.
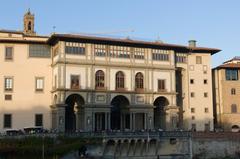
{"x":150,"y":120}
{"x":134,"y":122}
{"x":109,"y":121}
{"x":93,"y":121}
{"x":54,"y":117}
{"x":124,"y":121}
{"x":60,"y":113}
{"x":106,"y":120}
{"x":78,"y":119}
{"x":167,"y":124}
{"x":131,"y":122}
{"x":145,"y":121}
{"x":169,"y":114}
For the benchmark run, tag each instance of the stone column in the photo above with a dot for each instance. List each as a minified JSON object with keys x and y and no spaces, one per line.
{"x":109,"y":121}
{"x":134,"y":122}
{"x":167,"y":124}
{"x":124,"y":121}
{"x":54,"y":117}
{"x":78,"y":120}
{"x":131,"y":121}
{"x":93,"y":121}
{"x":145,"y":121}
{"x":61,"y":117}
{"x":106,"y":120}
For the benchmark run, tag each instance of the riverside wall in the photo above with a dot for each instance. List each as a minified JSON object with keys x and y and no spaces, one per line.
{"x":215,"y":145}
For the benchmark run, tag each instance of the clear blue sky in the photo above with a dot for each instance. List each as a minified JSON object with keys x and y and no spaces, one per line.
{"x":213,"y":23}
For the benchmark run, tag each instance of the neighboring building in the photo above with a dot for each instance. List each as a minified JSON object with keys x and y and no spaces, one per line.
{"x":26,"y":78}
{"x":72,"y":82}
{"x":226,"y":90}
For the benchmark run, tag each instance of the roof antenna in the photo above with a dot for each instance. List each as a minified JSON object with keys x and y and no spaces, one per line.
{"x":159,"y":40}
{"x":54,"y":29}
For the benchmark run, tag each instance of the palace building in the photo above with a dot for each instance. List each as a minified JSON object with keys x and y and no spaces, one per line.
{"x":78,"y":82}
{"x":226,"y":91}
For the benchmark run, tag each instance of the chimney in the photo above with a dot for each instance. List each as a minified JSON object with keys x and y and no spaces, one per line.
{"x":192,"y":43}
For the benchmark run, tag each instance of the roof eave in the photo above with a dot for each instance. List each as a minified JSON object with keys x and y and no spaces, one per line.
{"x":75,"y":38}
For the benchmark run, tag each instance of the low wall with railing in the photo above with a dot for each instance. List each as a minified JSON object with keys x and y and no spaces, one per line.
{"x":181,"y":144}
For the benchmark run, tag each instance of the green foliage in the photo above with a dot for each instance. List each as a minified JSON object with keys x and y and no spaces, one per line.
{"x":52,"y":146}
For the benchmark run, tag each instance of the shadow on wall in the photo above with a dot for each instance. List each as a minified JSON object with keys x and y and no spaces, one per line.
{"x":21,"y":118}
{"x":193,"y":124}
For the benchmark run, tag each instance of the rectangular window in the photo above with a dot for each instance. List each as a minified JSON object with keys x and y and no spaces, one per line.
{"x":205,"y":94}
{"x":39,"y":84}
{"x":198,"y":60}
{"x":139,"y":53}
{"x":119,"y":52}
{"x":75,"y":82}
{"x":231,"y":74}
{"x":100,"y":50}
{"x":8,"y":97}
{"x":8,"y":53}
{"x":160,"y":55}
{"x":193,"y":117}
{"x":75,"y":48}
{"x":192,"y":94}
{"x":206,"y":110}
{"x":205,"y":81}
{"x":234,"y":108}
{"x":192,"y":110}
{"x":38,"y":120}
{"x":8,"y":84}
{"x":233,"y":91}
{"x":181,"y":58}
{"x":39,"y":51}
{"x":7,"y":121}
{"x":192,"y":81}
{"x":161,"y":85}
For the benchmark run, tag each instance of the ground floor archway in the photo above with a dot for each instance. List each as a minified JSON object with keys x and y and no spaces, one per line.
{"x":120,"y":115}
{"x":74,"y":113}
{"x":159,"y":112}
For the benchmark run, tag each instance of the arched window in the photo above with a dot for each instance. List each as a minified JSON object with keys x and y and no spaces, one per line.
{"x":99,"y":79}
{"x":29,"y":26}
{"x":119,"y":80}
{"x":139,"y":80}
{"x":233,"y":91}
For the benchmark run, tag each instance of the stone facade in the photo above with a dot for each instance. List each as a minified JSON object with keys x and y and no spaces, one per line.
{"x":226,"y":89}
{"x":73,"y":82}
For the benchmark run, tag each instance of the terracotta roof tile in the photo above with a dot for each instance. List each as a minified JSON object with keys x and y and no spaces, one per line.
{"x":229,"y":65}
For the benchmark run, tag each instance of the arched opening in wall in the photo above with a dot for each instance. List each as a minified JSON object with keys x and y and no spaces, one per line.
{"x":159,"y":113}
{"x":235,"y":128}
{"x":120,"y":116}
{"x":74,"y":114}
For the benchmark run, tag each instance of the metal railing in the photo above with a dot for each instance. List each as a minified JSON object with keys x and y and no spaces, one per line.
{"x":112,"y":134}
